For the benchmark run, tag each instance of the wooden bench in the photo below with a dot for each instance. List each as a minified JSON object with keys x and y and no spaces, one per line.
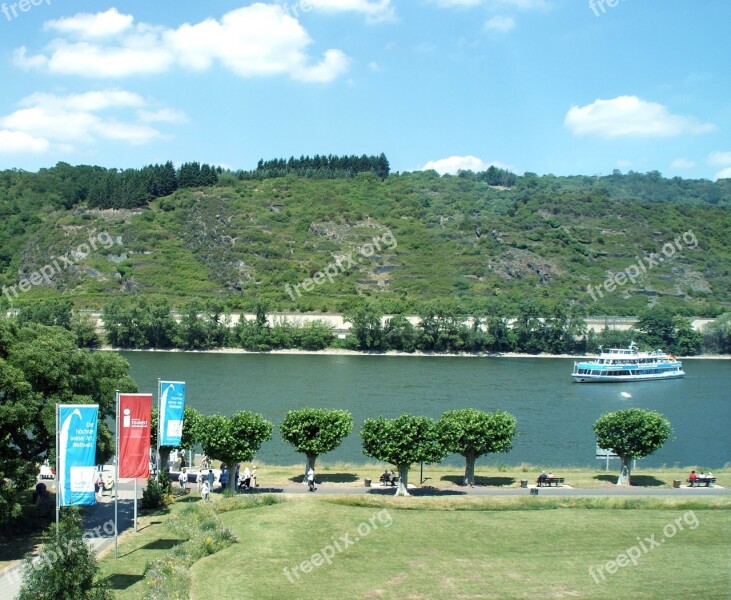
{"x":549,"y":481}
{"x":386,"y":480}
{"x":701,"y":481}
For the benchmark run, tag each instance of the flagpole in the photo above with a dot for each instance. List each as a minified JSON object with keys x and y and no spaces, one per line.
{"x":58,"y":491}
{"x":135,"y":504}
{"x":116,"y":480}
{"x":159,"y":430}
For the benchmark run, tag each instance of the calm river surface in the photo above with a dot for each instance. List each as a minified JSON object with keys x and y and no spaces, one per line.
{"x":554,"y":414}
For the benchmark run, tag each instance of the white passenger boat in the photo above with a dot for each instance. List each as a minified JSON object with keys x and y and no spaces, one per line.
{"x":627,"y":364}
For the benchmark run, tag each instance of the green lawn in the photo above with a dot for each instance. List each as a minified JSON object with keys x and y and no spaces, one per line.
{"x":429,"y":552}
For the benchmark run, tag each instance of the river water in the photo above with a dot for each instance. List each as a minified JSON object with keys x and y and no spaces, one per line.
{"x":554,"y":414}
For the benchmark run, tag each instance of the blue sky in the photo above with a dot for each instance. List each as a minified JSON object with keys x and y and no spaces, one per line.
{"x":549,"y":86}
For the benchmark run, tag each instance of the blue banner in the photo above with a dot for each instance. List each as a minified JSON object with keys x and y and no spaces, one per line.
{"x":77,"y":454}
{"x":172,"y":407}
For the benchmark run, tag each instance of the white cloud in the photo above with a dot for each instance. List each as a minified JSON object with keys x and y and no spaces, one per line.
{"x":500,"y":23}
{"x":87,"y":25}
{"x":64,"y":122}
{"x":721,"y":159}
{"x":455,"y":164}
{"x":496,"y":5}
{"x":256,"y":40}
{"x":682,"y":163}
{"x":162,"y":115}
{"x":630,"y":116}
{"x":374,"y":10}
{"x":19,"y":142}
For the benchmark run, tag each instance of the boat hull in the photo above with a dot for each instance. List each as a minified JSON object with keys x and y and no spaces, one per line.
{"x":626,"y":378}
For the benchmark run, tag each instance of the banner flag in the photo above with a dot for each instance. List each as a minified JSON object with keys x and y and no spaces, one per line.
{"x":77,"y":454}
{"x":172,"y":407}
{"x":135,"y":414}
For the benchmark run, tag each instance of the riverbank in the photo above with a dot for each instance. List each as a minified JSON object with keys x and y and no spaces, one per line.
{"x":343,"y":352}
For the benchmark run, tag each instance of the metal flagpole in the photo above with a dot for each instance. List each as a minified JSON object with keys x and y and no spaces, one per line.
{"x":159,"y":430}
{"x":135,"y":504}
{"x":116,"y":481}
{"x":58,"y":490}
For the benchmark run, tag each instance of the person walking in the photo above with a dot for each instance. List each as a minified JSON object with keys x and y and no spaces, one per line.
{"x":211,"y":479}
{"x":205,"y":491}
{"x":183,"y":479}
{"x":199,"y":480}
{"x":311,"y":479}
{"x":247,"y":478}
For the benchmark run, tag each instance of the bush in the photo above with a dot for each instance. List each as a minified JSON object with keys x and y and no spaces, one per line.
{"x":155,"y":496}
{"x":65,"y":568}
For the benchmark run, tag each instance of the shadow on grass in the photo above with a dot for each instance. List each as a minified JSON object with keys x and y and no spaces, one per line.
{"x":479,"y":480}
{"x":635,"y":480}
{"x":330,"y":478}
{"x":423,"y":491}
{"x":161,"y":544}
{"x":121,"y":581}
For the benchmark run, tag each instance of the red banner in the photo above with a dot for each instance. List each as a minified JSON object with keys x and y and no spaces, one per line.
{"x":135,"y":414}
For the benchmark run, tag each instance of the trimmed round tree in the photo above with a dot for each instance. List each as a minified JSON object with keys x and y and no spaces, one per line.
{"x":402,"y":442}
{"x":315,"y":431}
{"x":191,"y":420}
{"x":235,"y":439}
{"x":632,"y":433}
{"x":474,"y":433}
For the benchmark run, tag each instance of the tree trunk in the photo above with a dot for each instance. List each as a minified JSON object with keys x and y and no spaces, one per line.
{"x":469,"y":471}
{"x":164,"y":457}
{"x":626,"y":464}
{"x":403,"y":481}
{"x":311,"y":458}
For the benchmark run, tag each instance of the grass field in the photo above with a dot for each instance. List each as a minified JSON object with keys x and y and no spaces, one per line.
{"x":453,"y":548}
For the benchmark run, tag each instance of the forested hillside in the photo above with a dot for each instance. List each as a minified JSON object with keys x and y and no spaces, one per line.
{"x":322,"y":233}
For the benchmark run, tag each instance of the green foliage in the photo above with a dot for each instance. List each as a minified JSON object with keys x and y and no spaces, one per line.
{"x":200,"y":527}
{"x":478,"y":241}
{"x":659,"y":328}
{"x":39,"y":367}
{"x":155,"y":495}
{"x":66,"y":568}
{"x":405,"y":440}
{"x":235,"y":439}
{"x":632,"y":433}
{"x":717,"y":335}
{"x":474,"y":433}
{"x":315,"y":431}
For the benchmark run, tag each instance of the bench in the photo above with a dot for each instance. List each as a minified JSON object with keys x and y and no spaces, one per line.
{"x":701,"y":481}
{"x":549,"y":481}
{"x":386,"y":480}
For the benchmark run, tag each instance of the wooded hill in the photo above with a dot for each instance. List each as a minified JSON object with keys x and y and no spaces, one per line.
{"x":481,"y":241}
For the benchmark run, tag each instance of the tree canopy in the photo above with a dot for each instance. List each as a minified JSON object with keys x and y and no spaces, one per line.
{"x":474,"y":433}
{"x":402,"y":442}
{"x":315,"y":431}
{"x":39,"y":367}
{"x":235,"y":439}
{"x":632,"y":433}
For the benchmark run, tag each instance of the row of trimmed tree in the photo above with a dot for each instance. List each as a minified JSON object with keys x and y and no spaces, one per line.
{"x":407,"y":439}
